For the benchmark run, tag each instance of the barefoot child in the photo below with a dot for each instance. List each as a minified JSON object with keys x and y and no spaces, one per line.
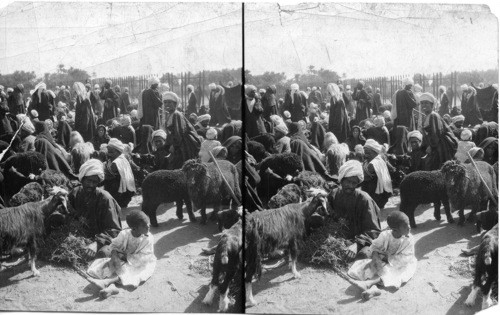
{"x":393,"y":259}
{"x":132,"y":257}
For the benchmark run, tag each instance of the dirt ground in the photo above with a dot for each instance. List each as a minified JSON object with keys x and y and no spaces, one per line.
{"x":440,"y":285}
{"x":180,"y":282}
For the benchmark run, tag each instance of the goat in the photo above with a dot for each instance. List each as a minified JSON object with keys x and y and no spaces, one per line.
{"x":227,"y":261}
{"x":30,"y":192}
{"x":274,"y":229}
{"x":24,"y":224}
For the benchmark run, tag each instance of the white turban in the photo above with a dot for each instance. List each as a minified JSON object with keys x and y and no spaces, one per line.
{"x":379,"y":121}
{"x":116,"y":144}
{"x":427,"y":97}
{"x":351,"y":168}
{"x":276,"y":119}
{"x":407,"y":81}
{"x":170,"y":96}
{"x":212,"y":86}
{"x":373,"y":145}
{"x":28,"y":125}
{"x":153,"y":80}
{"x":417,"y":87}
{"x":190,"y":87}
{"x":262,"y":90}
{"x":415,"y":134}
{"x":204,"y":117}
{"x":466,"y":135}
{"x":287,"y":114}
{"x":133,"y":113}
{"x":458,"y":118}
{"x":282,"y":127}
{"x":90,"y":168}
{"x":386,"y":114}
{"x":96,"y":86}
{"x":159,"y":133}
{"x":10,"y":90}
{"x":34,"y":113}
{"x":294,"y":87}
{"x":464,"y":87}
{"x":211,"y":133}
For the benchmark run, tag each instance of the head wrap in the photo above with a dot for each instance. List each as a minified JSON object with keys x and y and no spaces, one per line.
{"x":294,"y":87}
{"x":170,"y":96}
{"x":116,"y":144}
{"x":464,"y":87}
{"x":153,"y":80}
{"x":475,"y":150}
{"x":427,"y":97}
{"x":96,"y":86}
{"x":276,"y":119}
{"x":334,"y":90}
{"x":466,"y":135}
{"x":80,"y":90}
{"x":351,"y":168}
{"x":91,"y":167}
{"x":212,"y":86}
{"x":442,"y":88}
{"x":133,"y":113}
{"x":396,"y":219}
{"x":415,"y":134}
{"x":379,"y":121}
{"x":359,"y":149}
{"x":205,"y":117}
{"x":10,"y":90}
{"x":407,"y":81}
{"x":108,"y":81}
{"x":137,"y":217}
{"x":348,"y":87}
{"x":190,"y":87}
{"x":126,"y":121}
{"x":219,"y":151}
{"x":373,"y":145}
{"x":34,"y":113}
{"x":386,"y":114}
{"x":457,"y":118}
{"x":211,"y":133}
{"x":287,"y":114}
{"x":159,"y":133}
{"x":418,"y":87}
{"x":193,"y":116}
{"x":262,"y":91}
{"x":249,"y":88}
{"x":282,"y":128}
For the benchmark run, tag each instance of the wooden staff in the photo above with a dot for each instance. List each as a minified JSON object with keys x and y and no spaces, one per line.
{"x":482,"y":180}
{"x":224,"y":178}
{"x":12,"y":140}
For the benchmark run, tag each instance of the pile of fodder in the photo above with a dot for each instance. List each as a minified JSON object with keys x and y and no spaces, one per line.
{"x":67,"y":244}
{"x":327,"y":246}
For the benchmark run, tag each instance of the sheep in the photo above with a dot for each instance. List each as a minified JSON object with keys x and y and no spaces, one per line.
{"x":228,"y":217}
{"x":257,"y":150}
{"x":465,"y":188}
{"x":274,"y":229}
{"x":267,"y":140}
{"x":24,"y":224}
{"x":165,"y":186}
{"x":30,"y":192}
{"x":51,"y":178}
{"x":290,"y":193}
{"x":227,"y":261}
{"x":486,"y":219}
{"x":206,"y":186}
{"x":18,"y":167}
{"x":80,"y":154}
{"x":422,"y":187}
{"x":486,"y":269}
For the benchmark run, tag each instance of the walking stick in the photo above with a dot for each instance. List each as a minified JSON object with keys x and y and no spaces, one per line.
{"x":11,"y":141}
{"x":482,"y":180}
{"x":224,"y":178}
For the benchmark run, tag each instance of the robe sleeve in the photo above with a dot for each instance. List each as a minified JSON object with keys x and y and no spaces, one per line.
{"x":369,"y":218}
{"x":109,"y":216}
{"x":436,"y":127}
{"x":410,"y":101}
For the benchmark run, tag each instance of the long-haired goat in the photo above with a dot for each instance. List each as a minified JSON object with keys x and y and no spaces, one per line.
{"x":273,"y":229}
{"x":465,"y":188}
{"x":227,"y":261}
{"x":486,"y":271}
{"x":31,"y":192}
{"x":24,"y":225}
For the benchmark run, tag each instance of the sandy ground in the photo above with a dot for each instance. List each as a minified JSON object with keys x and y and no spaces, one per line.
{"x":440,"y":285}
{"x":179,"y":284}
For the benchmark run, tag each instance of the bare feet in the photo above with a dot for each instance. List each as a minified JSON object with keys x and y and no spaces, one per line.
{"x":101,"y":284}
{"x":109,"y":291}
{"x":372,"y":292}
{"x":362,"y":285}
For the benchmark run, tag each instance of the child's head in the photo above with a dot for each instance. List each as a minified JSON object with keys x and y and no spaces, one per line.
{"x":138,"y":222}
{"x":211,"y":133}
{"x":466,"y":135}
{"x":399,"y":223}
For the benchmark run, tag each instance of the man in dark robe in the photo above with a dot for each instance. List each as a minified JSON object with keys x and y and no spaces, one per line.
{"x":16,"y":101}
{"x":110,"y":101}
{"x":254,"y":125}
{"x":182,"y":138}
{"x":192,"y":101}
{"x":364,"y":102}
{"x":269,"y":103}
{"x":217,"y":107}
{"x":42,"y":102}
{"x":405,"y":103}
{"x":125,"y":101}
{"x":338,"y":122}
{"x":151,"y":102}
{"x":377,"y":101}
{"x":469,"y":106}
{"x":84,"y":115}
{"x":95,"y":101}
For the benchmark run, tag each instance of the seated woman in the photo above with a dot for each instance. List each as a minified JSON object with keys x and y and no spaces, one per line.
{"x":234,"y":148}
{"x":356,"y":207}
{"x":355,"y":138}
{"x":96,"y":206}
{"x":101,"y":137}
{"x":377,"y":182}
{"x":118,"y":180}
{"x":490,"y":147}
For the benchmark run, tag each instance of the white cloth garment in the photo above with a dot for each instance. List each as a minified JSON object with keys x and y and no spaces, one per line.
{"x":384,"y":182}
{"x":126,"y":176}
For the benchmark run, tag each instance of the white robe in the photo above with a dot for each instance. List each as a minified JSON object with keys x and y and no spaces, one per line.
{"x":140,"y":264}
{"x":400,"y":254}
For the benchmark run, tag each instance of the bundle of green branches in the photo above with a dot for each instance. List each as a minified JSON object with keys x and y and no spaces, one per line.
{"x":67,"y":244}
{"x":327,"y":246}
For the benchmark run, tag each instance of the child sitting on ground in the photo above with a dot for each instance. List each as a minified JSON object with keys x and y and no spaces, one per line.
{"x":393,"y":259}
{"x":132,"y":257}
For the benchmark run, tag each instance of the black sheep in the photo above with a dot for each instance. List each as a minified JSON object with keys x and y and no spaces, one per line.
{"x":206,"y":186}
{"x":267,"y":140}
{"x":257,"y":150}
{"x":30,"y":192}
{"x":165,"y":186}
{"x":288,"y":194}
{"x":422,"y":187}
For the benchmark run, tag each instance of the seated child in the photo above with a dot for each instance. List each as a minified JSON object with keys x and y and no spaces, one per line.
{"x":208,"y":144}
{"x":393,"y":259}
{"x":464,"y":145}
{"x":132,"y":257}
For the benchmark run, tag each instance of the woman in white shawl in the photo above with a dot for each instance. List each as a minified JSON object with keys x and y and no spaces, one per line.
{"x":377,"y":182}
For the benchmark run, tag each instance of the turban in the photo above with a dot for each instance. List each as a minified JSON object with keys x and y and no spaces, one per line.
{"x":262,"y":91}
{"x":90,"y":168}
{"x":282,"y":128}
{"x":348,"y":87}
{"x":34,"y":113}
{"x":159,"y":133}
{"x":415,"y":134}
{"x":204,"y":117}
{"x":276,"y":119}
{"x":442,"y":88}
{"x":193,"y":116}
{"x":212,"y":86}
{"x":41,"y":86}
{"x":133,"y":113}
{"x":379,"y":121}
{"x":373,"y":145}
{"x":359,"y":149}
{"x":250,"y":88}
{"x":418,"y":87}
{"x":294,"y":87}
{"x":108,"y":81}
{"x":351,"y":168}
{"x":386,"y":114}
{"x":458,"y":118}
{"x":287,"y":114}
{"x":475,"y":151}
{"x":190,"y":87}
{"x":153,"y":80}
{"x":427,"y":97}
{"x":211,"y":133}
{"x":116,"y":144}
{"x":170,"y":96}
{"x":407,"y":81}
{"x":126,"y":121}
{"x":10,"y":90}
{"x":466,"y":135}
{"x":96,"y":86}
{"x":464,"y":87}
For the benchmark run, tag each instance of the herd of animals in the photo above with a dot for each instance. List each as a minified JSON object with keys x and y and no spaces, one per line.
{"x":260,"y":233}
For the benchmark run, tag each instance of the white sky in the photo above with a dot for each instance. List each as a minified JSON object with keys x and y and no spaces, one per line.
{"x":365,"y":40}
{"x":120,"y":39}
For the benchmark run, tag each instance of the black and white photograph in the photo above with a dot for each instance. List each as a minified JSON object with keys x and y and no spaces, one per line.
{"x":249,"y":157}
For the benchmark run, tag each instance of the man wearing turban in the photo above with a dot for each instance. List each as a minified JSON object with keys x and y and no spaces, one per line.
{"x":356,"y":207}
{"x":364,"y":102}
{"x":217,"y":106}
{"x":377,"y":182}
{"x":96,"y":206}
{"x":405,"y":103}
{"x":42,"y":102}
{"x":417,"y":152}
{"x":110,"y":101}
{"x":192,"y":101}
{"x":182,"y":138}
{"x":293,"y":103}
{"x":151,"y":102}
{"x":16,"y":101}
{"x":469,"y":106}
{"x":254,"y":124}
